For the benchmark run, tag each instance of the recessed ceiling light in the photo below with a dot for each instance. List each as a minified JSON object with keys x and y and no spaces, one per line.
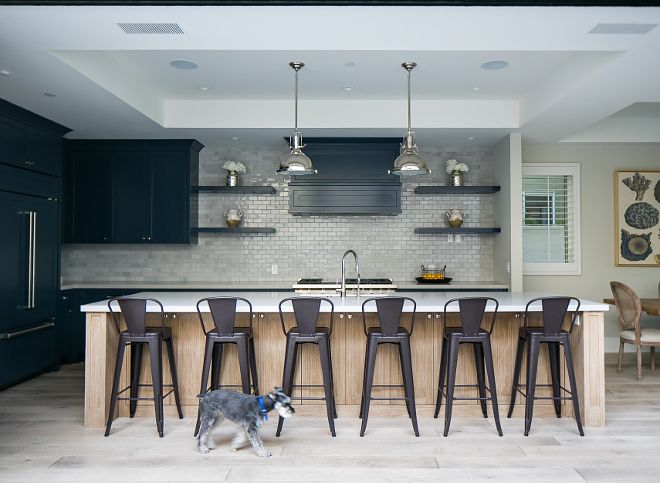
{"x":204,"y":88}
{"x":4,"y":72}
{"x":183,"y":64}
{"x":348,"y":88}
{"x":471,"y":138}
{"x":349,"y":64}
{"x":495,"y":65}
{"x":236,"y":138}
{"x":476,"y":88}
{"x":48,"y":94}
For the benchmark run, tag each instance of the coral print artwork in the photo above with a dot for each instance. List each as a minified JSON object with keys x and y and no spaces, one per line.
{"x":637,"y":218}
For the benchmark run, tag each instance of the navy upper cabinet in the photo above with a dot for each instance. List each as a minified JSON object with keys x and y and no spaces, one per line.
{"x":30,"y":141}
{"x":129,"y":191}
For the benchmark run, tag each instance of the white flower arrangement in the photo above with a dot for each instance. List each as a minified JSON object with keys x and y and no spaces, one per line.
{"x":452,"y":165}
{"x":234,"y":167}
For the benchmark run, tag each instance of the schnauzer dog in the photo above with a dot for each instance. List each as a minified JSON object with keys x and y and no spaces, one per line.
{"x":243,"y":409}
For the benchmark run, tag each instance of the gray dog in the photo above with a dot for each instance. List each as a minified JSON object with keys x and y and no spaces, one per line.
{"x":243,"y":409}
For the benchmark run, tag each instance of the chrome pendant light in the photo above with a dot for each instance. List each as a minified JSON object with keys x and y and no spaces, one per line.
{"x":296,"y":163}
{"x":409,"y":162}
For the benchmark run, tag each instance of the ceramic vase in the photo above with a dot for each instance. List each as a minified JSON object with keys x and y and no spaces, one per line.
{"x":455,"y":218}
{"x":233,"y":218}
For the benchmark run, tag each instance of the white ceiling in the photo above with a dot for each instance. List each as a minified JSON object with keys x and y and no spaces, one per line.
{"x":563,"y":84}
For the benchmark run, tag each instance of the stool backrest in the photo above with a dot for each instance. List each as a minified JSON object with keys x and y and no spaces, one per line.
{"x":306,"y":312}
{"x":554,"y":310}
{"x":389,"y":313}
{"x":472,"y":311}
{"x":134,"y":310}
{"x":628,"y":306}
{"x":223,"y":313}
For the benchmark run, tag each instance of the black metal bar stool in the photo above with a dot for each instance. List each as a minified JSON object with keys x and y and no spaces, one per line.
{"x":223,"y":313}
{"x":554,"y":310}
{"x":472,"y":311}
{"x":306,"y":313}
{"x":134,"y":310}
{"x":389,"y":332}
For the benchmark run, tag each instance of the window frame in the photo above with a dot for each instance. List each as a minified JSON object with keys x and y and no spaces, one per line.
{"x":556,"y":169}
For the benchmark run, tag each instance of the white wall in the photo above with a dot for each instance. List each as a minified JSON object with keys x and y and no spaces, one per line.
{"x":597,"y":165}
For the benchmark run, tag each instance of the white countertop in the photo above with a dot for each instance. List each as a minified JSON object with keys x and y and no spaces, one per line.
{"x":276,"y":287}
{"x":268,"y":301}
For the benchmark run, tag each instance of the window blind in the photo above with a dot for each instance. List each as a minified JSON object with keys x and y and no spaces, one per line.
{"x":550,"y":229}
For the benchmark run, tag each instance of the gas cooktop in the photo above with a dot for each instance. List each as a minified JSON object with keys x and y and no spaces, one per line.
{"x":352,"y":281}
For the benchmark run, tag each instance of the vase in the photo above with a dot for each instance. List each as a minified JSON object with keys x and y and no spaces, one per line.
{"x":232,"y":178}
{"x":233,"y":218}
{"x":455,"y":218}
{"x":456,"y":178}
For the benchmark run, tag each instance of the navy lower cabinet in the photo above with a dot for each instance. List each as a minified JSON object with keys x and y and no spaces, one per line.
{"x":136,"y":191}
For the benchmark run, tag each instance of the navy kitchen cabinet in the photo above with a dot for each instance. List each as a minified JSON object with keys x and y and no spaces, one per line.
{"x":29,"y":141}
{"x":135,"y":191}
{"x":29,"y":243}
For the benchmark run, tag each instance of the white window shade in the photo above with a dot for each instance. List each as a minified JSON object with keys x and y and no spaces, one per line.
{"x":551,"y":221}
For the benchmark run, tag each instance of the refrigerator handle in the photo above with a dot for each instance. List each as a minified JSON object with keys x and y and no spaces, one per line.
{"x":33,"y":276}
{"x":32,"y":226}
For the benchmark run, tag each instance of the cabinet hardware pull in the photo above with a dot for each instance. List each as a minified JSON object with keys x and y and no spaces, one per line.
{"x":350,"y":316}
{"x":31,"y":163}
{"x":429,"y":316}
{"x":261,"y":316}
{"x":174,"y":316}
{"x":341,"y":316}
{"x":437,"y":316}
{"x":32,"y":251}
{"x":11,"y":335}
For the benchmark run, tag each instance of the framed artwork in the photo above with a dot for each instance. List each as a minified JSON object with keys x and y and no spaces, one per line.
{"x":637,"y":218}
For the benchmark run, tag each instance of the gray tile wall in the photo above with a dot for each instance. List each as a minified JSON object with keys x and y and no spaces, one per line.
{"x":305,"y":246}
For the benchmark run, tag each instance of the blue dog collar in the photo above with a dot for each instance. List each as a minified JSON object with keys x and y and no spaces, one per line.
{"x":263,"y":409}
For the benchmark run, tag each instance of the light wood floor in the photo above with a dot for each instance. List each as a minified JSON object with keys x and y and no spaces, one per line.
{"x":42,"y":438}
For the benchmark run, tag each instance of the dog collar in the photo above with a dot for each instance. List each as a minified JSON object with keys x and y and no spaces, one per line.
{"x":263,"y":409}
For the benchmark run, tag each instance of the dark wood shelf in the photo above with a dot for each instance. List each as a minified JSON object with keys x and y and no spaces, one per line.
{"x":458,"y":231}
{"x":456,"y":190}
{"x":260,"y":190}
{"x":233,"y":231}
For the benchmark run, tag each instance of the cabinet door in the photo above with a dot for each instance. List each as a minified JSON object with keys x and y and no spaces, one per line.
{"x":14,"y":241}
{"x":12,"y":143}
{"x":44,"y":152}
{"x":170,"y":209}
{"x":86,"y":217}
{"x":131,"y":193}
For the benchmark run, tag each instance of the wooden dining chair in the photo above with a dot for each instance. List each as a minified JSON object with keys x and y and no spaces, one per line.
{"x":629,"y":312}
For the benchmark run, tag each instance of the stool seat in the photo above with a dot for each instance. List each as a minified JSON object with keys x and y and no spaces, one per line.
{"x":307,"y":331}
{"x":223,"y":313}
{"x":472,"y":310}
{"x":134,"y":310}
{"x":388,"y":332}
{"x":554,"y":310}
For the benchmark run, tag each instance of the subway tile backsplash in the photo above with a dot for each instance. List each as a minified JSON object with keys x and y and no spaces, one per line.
{"x":309,"y":246}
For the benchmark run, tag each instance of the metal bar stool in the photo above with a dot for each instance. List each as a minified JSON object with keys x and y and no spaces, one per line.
{"x":306,"y":313}
{"x":472,"y":311}
{"x":554,"y":310}
{"x":223,"y":313}
{"x":389,"y":332}
{"x":134,"y":310}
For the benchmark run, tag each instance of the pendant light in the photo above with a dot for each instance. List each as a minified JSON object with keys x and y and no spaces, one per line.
{"x":296,"y":163}
{"x":409,"y":162}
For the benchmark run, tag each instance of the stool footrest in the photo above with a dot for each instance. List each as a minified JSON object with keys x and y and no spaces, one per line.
{"x":387,"y":398}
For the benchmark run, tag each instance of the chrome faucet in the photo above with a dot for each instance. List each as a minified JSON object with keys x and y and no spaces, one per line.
{"x":343,"y":272}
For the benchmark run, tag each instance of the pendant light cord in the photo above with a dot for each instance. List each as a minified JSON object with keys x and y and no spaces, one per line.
{"x":409,"y":125}
{"x":296,"y":104}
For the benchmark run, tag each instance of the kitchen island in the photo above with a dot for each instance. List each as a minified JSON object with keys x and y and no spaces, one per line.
{"x":348,"y":345}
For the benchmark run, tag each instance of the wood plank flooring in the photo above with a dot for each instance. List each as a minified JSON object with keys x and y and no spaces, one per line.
{"x":42,"y":438}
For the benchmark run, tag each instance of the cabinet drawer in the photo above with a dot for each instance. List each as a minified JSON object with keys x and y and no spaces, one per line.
{"x":26,"y":351}
{"x":345,"y":198}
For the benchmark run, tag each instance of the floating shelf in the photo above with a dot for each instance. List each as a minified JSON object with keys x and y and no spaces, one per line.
{"x":456,"y":190}
{"x":261,"y":190}
{"x":458,"y":231}
{"x":233,"y":231}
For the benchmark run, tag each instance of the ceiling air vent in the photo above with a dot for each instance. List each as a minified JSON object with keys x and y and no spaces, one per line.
{"x":623,"y":28}
{"x":152,"y":28}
